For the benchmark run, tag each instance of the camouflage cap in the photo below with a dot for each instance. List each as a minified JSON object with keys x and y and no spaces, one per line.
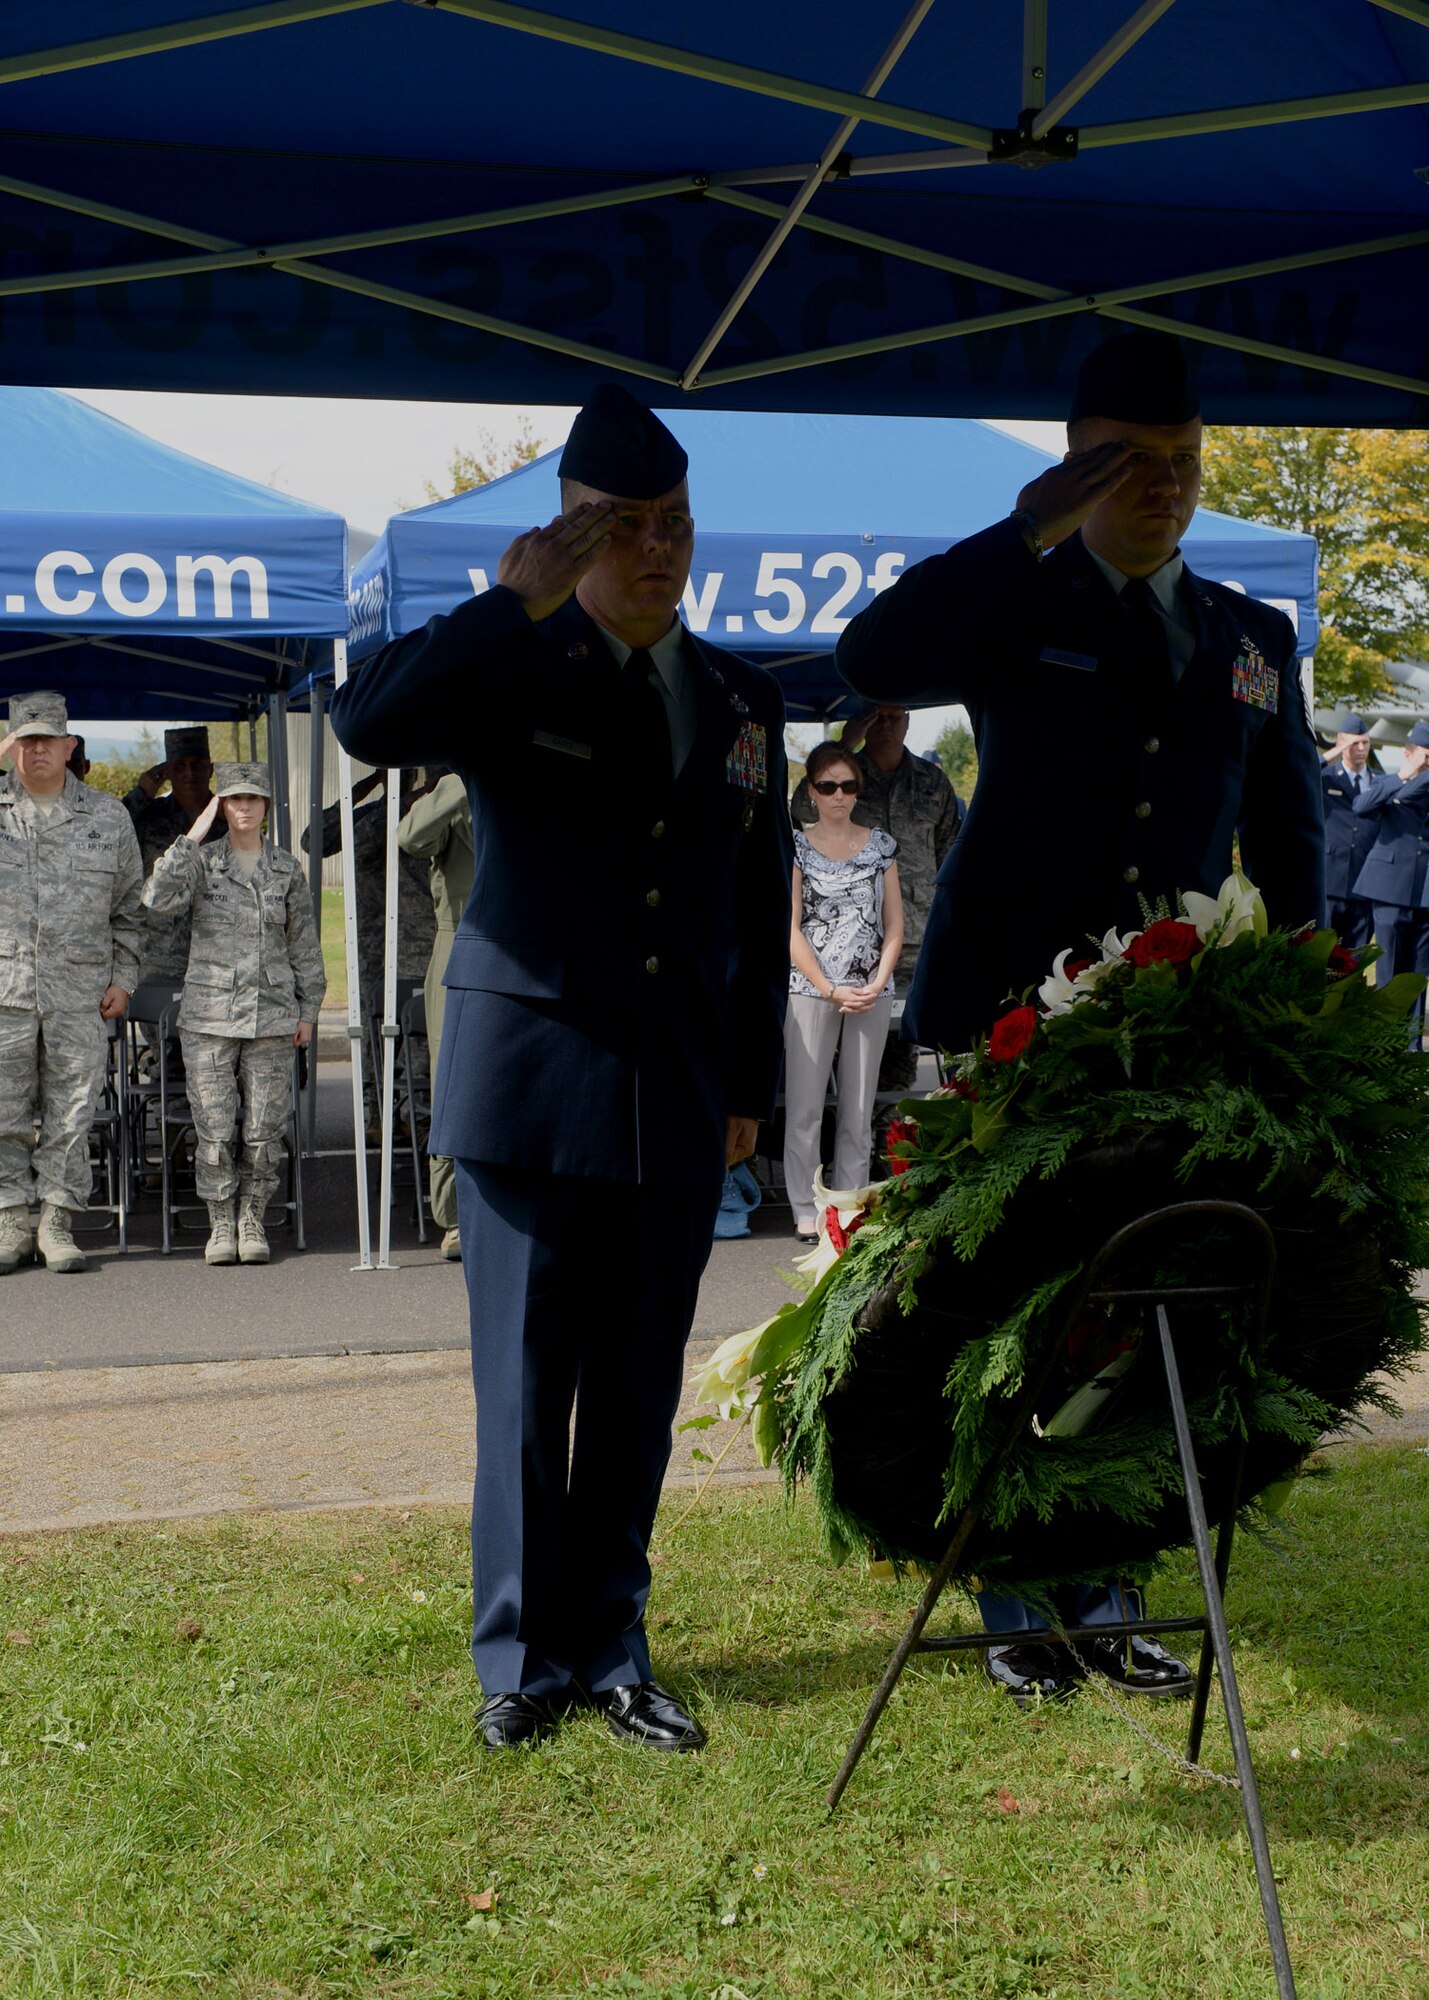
{"x":191,"y":741}
{"x":40,"y":714}
{"x":230,"y":779}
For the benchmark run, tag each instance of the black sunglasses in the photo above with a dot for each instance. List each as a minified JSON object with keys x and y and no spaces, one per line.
{"x":826,"y":787}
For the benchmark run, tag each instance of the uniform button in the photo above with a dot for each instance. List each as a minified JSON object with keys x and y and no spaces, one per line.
{"x":652,"y":897}
{"x":1143,"y":811}
{"x":1153,"y":744}
{"x":657,"y":831}
{"x":1131,"y":874}
{"x":652,"y":965}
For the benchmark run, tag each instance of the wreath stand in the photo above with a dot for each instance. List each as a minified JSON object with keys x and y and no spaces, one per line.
{"x":1097,"y":1288}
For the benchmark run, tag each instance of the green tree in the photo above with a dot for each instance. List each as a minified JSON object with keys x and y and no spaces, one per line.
{"x":485,"y":461}
{"x":959,"y":754}
{"x":1364,"y":495}
{"x":115,"y":778}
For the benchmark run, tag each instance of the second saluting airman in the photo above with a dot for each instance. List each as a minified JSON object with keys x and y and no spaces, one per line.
{"x":252,"y":992}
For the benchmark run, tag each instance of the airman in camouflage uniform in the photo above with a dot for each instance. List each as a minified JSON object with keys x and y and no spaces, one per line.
{"x":251,"y":996}
{"x":912,"y":799}
{"x":70,"y":934}
{"x":416,"y":924}
{"x":438,"y":828}
{"x":158,"y":822}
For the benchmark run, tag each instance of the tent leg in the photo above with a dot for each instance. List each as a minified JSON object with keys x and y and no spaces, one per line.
{"x":315,"y":882}
{"x":354,"y":995}
{"x":389,"y":1026}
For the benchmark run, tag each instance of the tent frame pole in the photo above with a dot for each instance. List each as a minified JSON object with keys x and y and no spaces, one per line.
{"x":390,"y":1029}
{"x":160,"y":40}
{"x":1091,"y":73}
{"x":354,"y":984}
{"x":316,"y":725}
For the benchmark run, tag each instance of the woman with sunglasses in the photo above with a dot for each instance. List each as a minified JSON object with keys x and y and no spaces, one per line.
{"x":845,"y":939}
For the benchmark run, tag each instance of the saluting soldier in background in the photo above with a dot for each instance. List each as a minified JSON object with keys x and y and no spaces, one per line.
{"x":252,"y":992}
{"x":1395,"y":875}
{"x":1344,"y":776}
{"x":1192,"y":695}
{"x":188,"y":771}
{"x":613,"y":1034}
{"x":70,"y":933}
{"x":437,"y":829}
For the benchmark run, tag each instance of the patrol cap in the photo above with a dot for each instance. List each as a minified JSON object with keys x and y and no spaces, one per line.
{"x":1420,"y":734}
{"x":40,"y":714}
{"x":618,"y":446}
{"x":1354,"y":725}
{"x":191,"y":741}
{"x":1137,"y":378}
{"x":230,"y":779}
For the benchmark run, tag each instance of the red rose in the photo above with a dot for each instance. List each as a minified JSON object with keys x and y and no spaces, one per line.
{"x":901,"y":1132}
{"x":1341,"y":963}
{"x":1011,"y":1034}
{"x":1075,"y":967}
{"x":1168,"y":942}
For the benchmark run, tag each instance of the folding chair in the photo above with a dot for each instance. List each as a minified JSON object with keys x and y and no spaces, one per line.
{"x":1098,"y":1288}
{"x":150,"y":1023}
{"x":109,"y":1141}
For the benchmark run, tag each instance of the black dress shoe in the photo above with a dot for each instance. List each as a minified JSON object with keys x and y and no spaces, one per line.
{"x":1138,"y":1665}
{"x":645,"y":1714}
{"x":1037,"y":1670}
{"x":506,"y":1721}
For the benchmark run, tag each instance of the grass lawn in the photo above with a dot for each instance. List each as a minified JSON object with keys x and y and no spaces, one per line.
{"x":334,"y":950}
{"x":236,"y":1758}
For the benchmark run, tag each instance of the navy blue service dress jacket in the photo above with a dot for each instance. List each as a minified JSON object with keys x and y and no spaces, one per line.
{"x":1348,"y":835}
{"x":617,"y":983}
{"x":1398,"y":814}
{"x":1095,"y":785}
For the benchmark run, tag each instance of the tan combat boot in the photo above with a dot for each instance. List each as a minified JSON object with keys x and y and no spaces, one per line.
{"x":54,"y":1240}
{"x":15,"y":1241}
{"x":252,"y":1243}
{"x":222,"y":1244}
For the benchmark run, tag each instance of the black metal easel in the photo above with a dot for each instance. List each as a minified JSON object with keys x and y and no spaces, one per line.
{"x":1215,"y":1642}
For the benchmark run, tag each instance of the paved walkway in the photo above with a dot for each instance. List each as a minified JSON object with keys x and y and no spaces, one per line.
{"x":86,"y":1446}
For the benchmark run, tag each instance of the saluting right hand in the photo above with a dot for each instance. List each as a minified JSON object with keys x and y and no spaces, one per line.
{"x":202,"y":824}
{"x":1060,"y":499}
{"x":544,"y":565}
{"x":153,"y":779}
{"x":8,"y":745}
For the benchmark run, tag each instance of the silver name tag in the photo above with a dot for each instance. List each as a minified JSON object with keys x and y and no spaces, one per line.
{"x":567,"y":744}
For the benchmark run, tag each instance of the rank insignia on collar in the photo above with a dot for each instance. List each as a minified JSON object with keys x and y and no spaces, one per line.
{"x":747,"y":764}
{"x":1253,"y":680}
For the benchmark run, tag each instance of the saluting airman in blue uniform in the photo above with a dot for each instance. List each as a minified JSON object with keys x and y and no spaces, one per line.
{"x":1189,"y":696}
{"x":1344,"y":776}
{"x":1393,"y":878}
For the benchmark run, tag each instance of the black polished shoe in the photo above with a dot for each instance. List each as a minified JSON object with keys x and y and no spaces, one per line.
{"x":507,"y":1721}
{"x":1037,"y":1670}
{"x":645,"y":1714}
{"x":1138,"y":1666}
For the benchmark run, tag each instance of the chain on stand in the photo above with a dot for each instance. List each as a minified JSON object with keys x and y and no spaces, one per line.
{"x":1173,"y":1756}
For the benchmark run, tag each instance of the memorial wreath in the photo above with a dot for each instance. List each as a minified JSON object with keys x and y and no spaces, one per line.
{"x":1203,"y":1056}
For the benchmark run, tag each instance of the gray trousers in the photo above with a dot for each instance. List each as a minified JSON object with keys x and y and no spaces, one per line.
{"x":220,"y":1070}
{"x":813,"y":1030}
{"x":51,"y":1070}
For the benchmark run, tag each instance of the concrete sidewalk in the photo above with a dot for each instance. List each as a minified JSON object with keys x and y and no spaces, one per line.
{"x":144,"y":1444}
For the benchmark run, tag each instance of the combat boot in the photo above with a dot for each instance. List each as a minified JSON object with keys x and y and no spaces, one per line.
{"x":252,"y":1243}
{"x":222,"y":1244}
{"x":54,"y":1241}
{"x":15,"y":1241}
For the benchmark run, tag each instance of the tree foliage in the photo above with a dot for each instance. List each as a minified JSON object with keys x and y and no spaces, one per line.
{"x":959,"y":754}
{"x":1364,"y":495}
{"x":114,"y":778}
{"x":486,"y":460}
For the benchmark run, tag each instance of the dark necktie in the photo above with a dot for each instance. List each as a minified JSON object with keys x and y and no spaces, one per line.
{"x":647,"y":722}
{"x":1151,"y":646}
{"x":1356,"y":781}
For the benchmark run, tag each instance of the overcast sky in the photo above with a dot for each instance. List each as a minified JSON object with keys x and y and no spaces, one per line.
{"x":368,"y":460}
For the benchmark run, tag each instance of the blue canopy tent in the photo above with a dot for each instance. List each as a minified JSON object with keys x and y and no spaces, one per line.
{"x":805,"y":206}
{"x":799,"y":520}
{"x":147,"y":585}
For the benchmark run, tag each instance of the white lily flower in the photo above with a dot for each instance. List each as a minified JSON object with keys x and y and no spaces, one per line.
{"x":1237,"y":909}
{"x":725,"y":1375}
{"x":821,"y":1258}
{"x":1056,"y":991}
{"x":845,"y":1202}
{"x":1114,"y":947}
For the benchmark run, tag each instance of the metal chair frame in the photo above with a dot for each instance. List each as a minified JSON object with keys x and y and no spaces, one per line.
{"x":412,"y":1020}
{"x":1213,"y":1569}
{"x":109,"y":1131}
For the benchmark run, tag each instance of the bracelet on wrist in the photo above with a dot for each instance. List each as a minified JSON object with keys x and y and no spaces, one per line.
{"x":1027,"y":521}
